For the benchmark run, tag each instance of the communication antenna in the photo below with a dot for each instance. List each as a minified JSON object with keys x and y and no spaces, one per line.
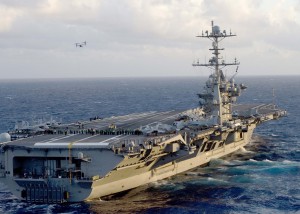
{"x":236,"y":72}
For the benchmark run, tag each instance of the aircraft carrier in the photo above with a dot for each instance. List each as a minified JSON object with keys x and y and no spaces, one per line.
{"x":56,"y":163}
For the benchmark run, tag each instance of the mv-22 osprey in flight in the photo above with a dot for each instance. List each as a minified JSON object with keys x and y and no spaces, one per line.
{"x":80,"y":44}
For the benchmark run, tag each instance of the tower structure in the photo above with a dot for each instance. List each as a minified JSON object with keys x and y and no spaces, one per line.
{"x":219,"y":92}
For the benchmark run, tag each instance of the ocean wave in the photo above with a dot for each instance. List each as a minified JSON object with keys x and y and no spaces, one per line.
{"x":241,"y":179}
{"x":218,"y":162}
{"x":208,"y":181}
{"x":244,"y":150}
{"x":281,"y":170}
{"x":238,"y":171}
{"x":167,"y":185}
{"x":266,"y":182}
{"x":290,"y":162}
{"x":193,"y":173}
{"x":160,"y":183}
{"x":268,"y":161}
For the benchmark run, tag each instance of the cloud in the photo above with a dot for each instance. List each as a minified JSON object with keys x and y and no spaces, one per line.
{"x":156,"y":36}
{"x":69,"y":11}
{"x":7,"y":17}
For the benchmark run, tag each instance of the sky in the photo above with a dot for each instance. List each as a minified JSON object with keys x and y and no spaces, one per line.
{"x":145,"y":38}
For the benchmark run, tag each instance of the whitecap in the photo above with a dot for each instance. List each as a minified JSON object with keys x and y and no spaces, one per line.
{"x":234,"y":163}
{"x":167,"y":185}
{"x":218,"y":162}
{"x":160,"y":183}
{"x":192,"y":173}
{"x":286,"y":162}
{"x":208,"y":181}
{"x":50,"y":208}
{"x":262,"y":163}
{"x":216,"y":181}
{"x":244,"y":150}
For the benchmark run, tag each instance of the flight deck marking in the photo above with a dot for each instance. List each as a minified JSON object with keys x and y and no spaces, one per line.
{"x":152,"y":116}
{"x":120,"y":122}
{"x":168,"y":117}
{"x":75,"y":143}
{"x":122,"y":117}
{"x":60,"y":138}
{"x":128,"y":118}
{"x":111,"y":138}
{"x":135,"y":118}
{"x":140,"y":116}
{"x":54,"y":138}
{"x":148,"y":116}
{"x":85,"y":138}
{"x":162,"y":118}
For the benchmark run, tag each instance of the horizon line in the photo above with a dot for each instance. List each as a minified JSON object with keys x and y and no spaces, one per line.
{"x":138,"y":77}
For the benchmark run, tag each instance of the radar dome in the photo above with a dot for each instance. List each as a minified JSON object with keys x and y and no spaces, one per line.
{"x":216,"y":29}
{"x":4,"y":137}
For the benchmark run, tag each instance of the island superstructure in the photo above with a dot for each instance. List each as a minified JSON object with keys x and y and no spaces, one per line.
{"x":57,"y":163}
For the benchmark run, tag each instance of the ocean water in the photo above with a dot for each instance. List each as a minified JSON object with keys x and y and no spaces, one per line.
{"x":264,"y":178}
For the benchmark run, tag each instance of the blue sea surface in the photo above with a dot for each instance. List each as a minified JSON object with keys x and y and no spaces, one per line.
{"x":265,"y":178}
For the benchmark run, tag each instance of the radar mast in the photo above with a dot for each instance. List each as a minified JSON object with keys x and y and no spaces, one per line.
{"x":220,"y":93}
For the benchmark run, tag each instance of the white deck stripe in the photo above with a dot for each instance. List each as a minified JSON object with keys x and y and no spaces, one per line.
{"x":56,"y":139}
{"x":85,"y":138}
{"x":113,"y":139}
{"x":66,"y":145}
